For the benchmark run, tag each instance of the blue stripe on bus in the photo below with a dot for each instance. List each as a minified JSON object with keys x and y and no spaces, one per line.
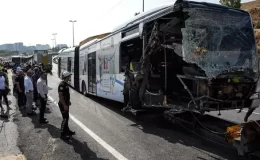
{"x":119,"y":82}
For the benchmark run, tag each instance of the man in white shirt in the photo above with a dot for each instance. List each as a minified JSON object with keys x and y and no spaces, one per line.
{"x":43,"y":91}
{"x":28,"y":86}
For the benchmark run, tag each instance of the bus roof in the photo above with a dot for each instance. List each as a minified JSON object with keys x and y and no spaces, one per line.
{"x":67,"y":52}
{"x":152,"y":12}
{"x":61,"y":50}
{"x":143,"y":16}
{"x":88,"y":43}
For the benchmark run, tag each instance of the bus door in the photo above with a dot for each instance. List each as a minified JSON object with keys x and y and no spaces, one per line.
{"x":92,"y":82}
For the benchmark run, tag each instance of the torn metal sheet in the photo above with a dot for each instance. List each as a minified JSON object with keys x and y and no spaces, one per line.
{"x":219,"y":41}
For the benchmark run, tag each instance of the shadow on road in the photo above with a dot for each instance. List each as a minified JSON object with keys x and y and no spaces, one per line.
{"x":83,"y":149}
{"x":174,"y":133}
{"x":153,"y":123}
{"x":79,"y":147}
{"x":5,"y":114}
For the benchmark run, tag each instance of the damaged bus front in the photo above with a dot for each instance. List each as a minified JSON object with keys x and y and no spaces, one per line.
{"x":200,"y":56}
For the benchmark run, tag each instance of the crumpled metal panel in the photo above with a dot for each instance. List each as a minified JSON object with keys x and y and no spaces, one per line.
{"x":219,"y":41}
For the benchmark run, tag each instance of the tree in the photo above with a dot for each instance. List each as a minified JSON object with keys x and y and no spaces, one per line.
{"x":257,"y":25}
{"x":231,"y":3}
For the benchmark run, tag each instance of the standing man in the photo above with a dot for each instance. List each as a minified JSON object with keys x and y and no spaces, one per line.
{"x":64,"y":104}
{"x":35,"y":78}
{"x":19,"y":81}
{"x":14,"y":85}
{"x":43,"y":91}
{"x":3,"y":88}
{"x":29,"y":92}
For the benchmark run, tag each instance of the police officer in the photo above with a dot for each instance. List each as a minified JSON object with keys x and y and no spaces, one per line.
{"x":64,"y":104}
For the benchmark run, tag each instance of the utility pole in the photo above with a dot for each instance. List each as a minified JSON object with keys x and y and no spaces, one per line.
{"x":73,"y":21}
{"x":53,"y":44}
{"x":143,"y":5}
{"x":54,"y":34}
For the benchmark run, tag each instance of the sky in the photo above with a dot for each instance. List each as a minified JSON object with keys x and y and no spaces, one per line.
{"x":34,"y":21}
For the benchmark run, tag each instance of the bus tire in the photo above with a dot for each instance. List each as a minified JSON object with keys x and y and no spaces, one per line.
{"x":134,"y":98}
{"x":126,"y":98}
{"x":83,"y":88}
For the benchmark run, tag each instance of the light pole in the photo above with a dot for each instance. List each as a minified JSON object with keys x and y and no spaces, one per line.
{"x":143,"y":5}
{"x":73,"y":21}
{"x":54,"y":34}
{"x":53,"y":44}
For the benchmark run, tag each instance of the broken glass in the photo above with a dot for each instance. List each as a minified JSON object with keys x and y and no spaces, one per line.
{"x":219,"y":41}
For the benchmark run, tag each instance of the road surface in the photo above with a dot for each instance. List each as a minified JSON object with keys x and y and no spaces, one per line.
{"x":103,"y":132}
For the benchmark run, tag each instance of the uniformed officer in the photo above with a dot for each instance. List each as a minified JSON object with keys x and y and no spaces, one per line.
{"x":64,"y":104}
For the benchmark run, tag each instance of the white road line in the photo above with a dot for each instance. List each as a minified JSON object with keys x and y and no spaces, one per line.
{"x":110,"y":149}
{"x":246,"y":112}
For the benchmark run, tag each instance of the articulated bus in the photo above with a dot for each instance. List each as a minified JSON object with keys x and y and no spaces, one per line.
{"x":21,"y":59}
{"x":175,"y":49}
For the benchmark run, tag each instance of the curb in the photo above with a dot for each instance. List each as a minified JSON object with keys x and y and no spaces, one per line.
{"x":14,"y":157}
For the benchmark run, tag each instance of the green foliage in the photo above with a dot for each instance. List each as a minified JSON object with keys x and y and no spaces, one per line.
{"x":257,"y":25}
{"x":231,"y":3}
{"x":4,"y":53}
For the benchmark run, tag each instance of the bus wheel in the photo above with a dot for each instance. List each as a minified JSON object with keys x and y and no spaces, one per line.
{"x":83,"y":88}
{"x":134,"y":98}
{"x":126,"y":98}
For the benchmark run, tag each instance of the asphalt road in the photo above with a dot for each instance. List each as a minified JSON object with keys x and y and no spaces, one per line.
{"x":8,"y":132}
{"x":103,"y":132}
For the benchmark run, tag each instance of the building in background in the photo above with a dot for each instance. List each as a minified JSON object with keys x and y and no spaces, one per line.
{"x":18,"y":46}
{"x":42,"y":47}
{"x":8,"y":47}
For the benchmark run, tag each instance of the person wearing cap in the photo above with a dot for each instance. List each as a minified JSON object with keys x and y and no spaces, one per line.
{"x":64,"y":104}
{"x":43,"y":91}
{"x":28,"y":85}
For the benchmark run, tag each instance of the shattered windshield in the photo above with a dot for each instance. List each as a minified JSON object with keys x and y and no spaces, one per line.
{"x":219,"y":41}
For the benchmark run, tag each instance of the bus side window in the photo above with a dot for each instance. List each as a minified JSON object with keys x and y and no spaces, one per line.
{"x":130,"y":51}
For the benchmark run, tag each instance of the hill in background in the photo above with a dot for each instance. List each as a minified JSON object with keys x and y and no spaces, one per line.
{"x":254,"y":9}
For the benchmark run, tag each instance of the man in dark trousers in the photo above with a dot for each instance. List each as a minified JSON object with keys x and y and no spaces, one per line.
{"x":64,"y":104}
{"x":43,"y":91}
{"x":19,"y":80}
{"x":35,"y":78}
{"x":3,"y":88}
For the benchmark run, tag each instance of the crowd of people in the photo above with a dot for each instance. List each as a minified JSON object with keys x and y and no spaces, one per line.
{"x":30,"y":86}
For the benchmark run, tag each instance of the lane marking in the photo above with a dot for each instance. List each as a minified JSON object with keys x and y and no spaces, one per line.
{"x":246,"y":112}
{"x":109,"y":148}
